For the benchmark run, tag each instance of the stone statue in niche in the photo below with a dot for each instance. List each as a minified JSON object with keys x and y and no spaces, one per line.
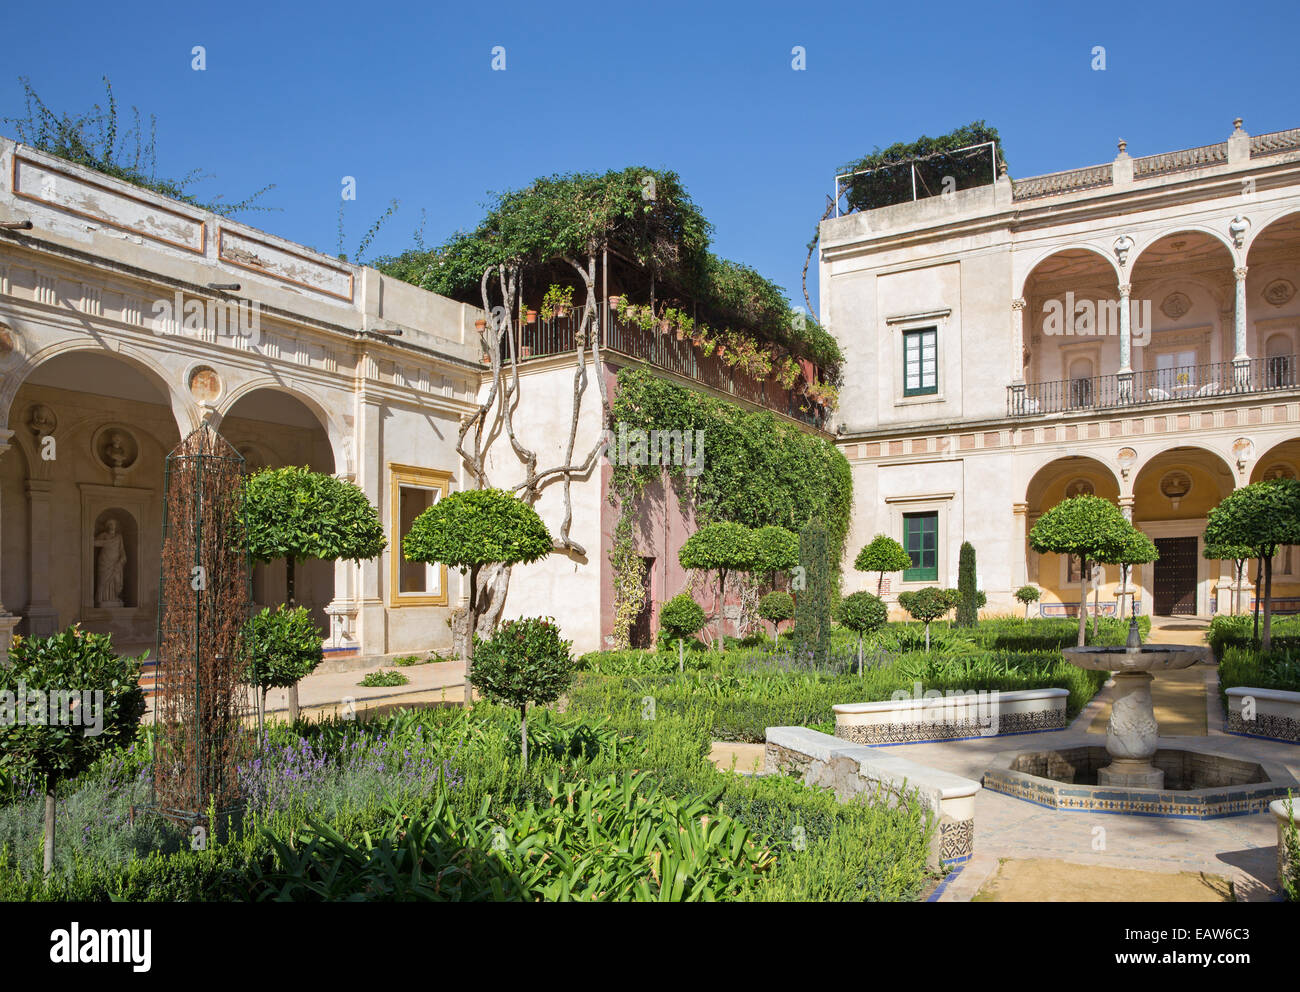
{"x":110,"y":566}
{"x":116,"y":451}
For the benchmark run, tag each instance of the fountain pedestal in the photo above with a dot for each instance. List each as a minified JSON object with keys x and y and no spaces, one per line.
{"x":1131,"y":735}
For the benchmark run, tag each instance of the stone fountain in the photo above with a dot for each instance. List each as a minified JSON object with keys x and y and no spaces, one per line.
{"x":1133,"y":773}
{"x":1132,"y":733}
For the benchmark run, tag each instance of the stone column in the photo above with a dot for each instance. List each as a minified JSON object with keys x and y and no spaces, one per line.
{"x":1241,"y":356}
{"x":1018,"y":340}
{"x":7,"y":620}
{"x":1125,"y":376}
{"x":1019,"y":539}
{"x":367,"y":596}
{"x":42,"y":619}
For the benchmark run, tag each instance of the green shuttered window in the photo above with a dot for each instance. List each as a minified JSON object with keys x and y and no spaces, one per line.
{"x":921,"y":542}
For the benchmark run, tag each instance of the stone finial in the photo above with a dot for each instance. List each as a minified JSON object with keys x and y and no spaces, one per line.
{"x":1123,"y":146}
{"x":1236,"y":123}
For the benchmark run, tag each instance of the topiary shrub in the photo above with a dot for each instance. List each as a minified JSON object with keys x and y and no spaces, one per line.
{"x":1027,"y":595}
{"x":681,"y":618}
{"x":472,"y":529}
{"x":776,"y":607}
{"x":773,"y":550}
{"x":812,"y":613}
{"x":283,"y":647}
{"x":861,"y":613}
{"x":967,"y":607}
{"x":719,"y":547}
{"x":524,"y":662}
{"x":882,"y":555}
{"x":928,"y":605}
{"x":65,"y":700}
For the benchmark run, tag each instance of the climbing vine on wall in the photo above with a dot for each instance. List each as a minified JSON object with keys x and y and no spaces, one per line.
{"x":753,"y":469}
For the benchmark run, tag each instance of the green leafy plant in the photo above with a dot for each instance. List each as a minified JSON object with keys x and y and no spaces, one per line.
{"x":71,"y":699}
{"x":383,"y":679}
{"x":297,"y":514}
{"x":1091,"y":529}
{"x":776,"y":607}
{"x":524,"y":662}
{"x":775,"y":550}
{"x":1136,"y":549}
{"x":863,"y":614}
{"x":283,"y":647}
{"x":681,"y":618}
{"x":473,"y":528}
{"x":722,"y":548}
{"x":1263,"y":516}
{"x":1027,"y":595}
{"x":927,"y":605}
{"x":882,"y":555}
{"x":1240,"y":556}
{"x":557,"y":301}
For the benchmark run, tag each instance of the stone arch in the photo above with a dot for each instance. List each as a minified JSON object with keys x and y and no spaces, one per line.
{"x":281,"y":426}
{"x":1054,"y":479}
{"x":1257,"y":232}
{"x":1284,"y":455}
{"x":1048,"y":253}
{"x":1144,"y":248}
{"x":184,"y":411}
{"x":339,"y":440}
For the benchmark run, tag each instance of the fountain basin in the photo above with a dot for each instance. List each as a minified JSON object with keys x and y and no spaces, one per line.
{"x":1197,"y":784}
{"x":1154,"y":658}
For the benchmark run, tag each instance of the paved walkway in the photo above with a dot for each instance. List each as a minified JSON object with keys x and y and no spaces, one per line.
{"x":1241,"y":849}
{"x":329,"y":693}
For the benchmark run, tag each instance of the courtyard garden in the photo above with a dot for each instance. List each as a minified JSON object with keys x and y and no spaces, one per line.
{"x":617,"y":799}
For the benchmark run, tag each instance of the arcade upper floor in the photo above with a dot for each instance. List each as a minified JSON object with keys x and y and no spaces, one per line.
{"x":1163,"y":281}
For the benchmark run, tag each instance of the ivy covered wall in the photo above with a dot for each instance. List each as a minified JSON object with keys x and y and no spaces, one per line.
{"x":750,"y":467}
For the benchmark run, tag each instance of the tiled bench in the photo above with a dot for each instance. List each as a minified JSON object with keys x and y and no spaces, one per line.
{"x":850,"y":769}
{"x":1270,"y":713}
{"x":955,"y":717}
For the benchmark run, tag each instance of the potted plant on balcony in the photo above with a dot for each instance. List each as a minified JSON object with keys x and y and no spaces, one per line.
{"x":480,"y":325}
{"x":616,"y":304}
{"x":557,"y":301}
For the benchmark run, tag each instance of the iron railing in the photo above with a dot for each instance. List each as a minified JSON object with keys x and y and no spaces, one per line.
{"x":1183,"y":384}
{"x":559,"y":335}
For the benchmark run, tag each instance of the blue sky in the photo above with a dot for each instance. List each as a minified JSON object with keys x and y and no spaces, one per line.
{"x":403,"y":97}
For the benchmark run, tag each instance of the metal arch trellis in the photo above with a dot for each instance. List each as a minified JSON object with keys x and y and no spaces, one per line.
{"x":201,"y":701}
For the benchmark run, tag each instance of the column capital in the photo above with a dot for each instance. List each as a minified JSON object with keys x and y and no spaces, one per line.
{"x":1020,"y":509}
{"x":1125,"y":289}
{"x":1239,"y":273}
{"x":1018,"y":303}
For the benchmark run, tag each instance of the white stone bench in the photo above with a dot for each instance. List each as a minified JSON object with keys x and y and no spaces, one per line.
{"x":951,"y":717}
{"x":1270,"y":713}
{"x":851,"y":769}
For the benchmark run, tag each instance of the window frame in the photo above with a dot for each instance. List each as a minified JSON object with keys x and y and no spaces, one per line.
{"x":412,"y":477}
{"x":931,"y":573}
{"x":919,"y":333}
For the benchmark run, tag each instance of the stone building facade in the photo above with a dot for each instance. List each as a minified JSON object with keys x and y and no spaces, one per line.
{"x":126,"y":319}
{"x":1127,"y":329}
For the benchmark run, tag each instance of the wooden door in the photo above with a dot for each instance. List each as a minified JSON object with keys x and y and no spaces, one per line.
{"x":1175,"y":585}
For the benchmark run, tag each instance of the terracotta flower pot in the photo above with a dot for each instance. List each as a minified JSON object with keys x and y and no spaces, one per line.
{"x":614,"y":301}
{"x":481,"y":324}
{"x":487,"y":359}
{"x":532,"y":316}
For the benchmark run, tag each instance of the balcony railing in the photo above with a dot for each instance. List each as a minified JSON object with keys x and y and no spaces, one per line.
{"x":1182,"y":384}
{"x":559,"y":336}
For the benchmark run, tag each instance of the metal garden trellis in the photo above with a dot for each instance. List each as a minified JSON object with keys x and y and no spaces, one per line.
{"x":201,"y":701}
